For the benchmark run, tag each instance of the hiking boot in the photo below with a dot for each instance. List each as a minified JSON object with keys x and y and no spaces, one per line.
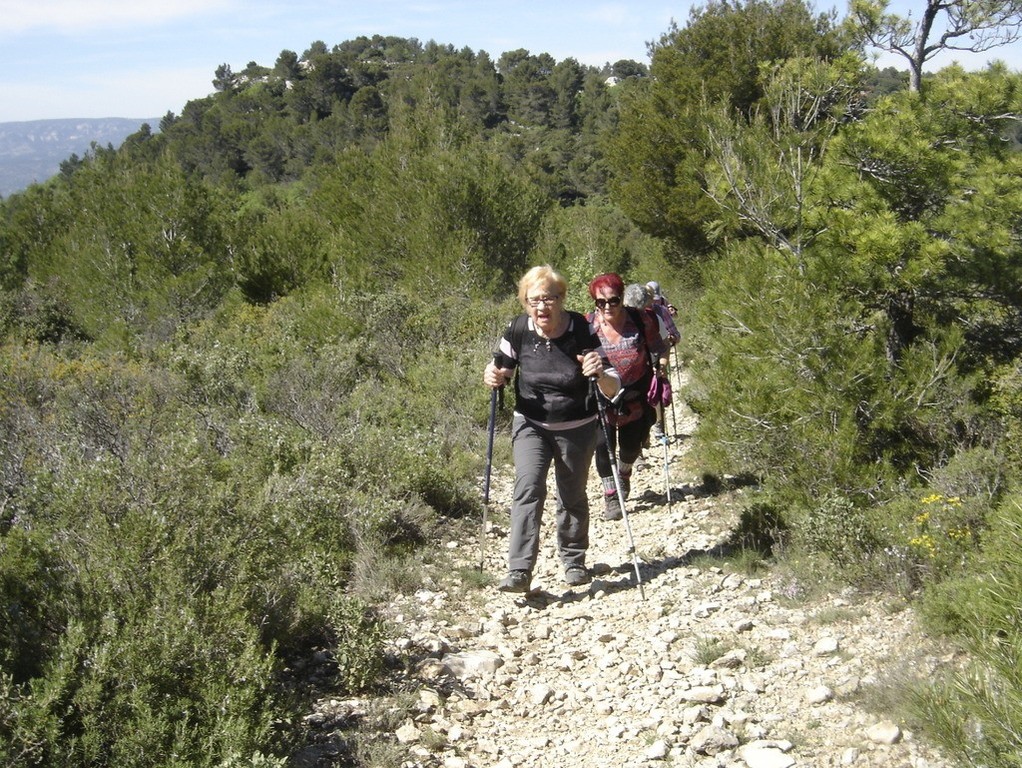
{"x":577,"y":575}
{"x":626,"y":485}
{"x":611,"y":507}
{"x":515,"y":581}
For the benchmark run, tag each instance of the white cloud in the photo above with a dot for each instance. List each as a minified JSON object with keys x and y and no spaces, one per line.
{"x":82,"y":15}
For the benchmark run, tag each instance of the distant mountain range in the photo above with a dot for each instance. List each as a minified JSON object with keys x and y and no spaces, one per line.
{"x":32,"y":151}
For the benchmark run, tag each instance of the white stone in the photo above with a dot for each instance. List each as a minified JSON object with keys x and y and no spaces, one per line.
{"x":540,"y":693}
{"x":711,"y":740}
{"x":705,"y":609}
{"x":757,"y":756}
{"x":782,"y":744}
{"x":472,"y":663}
{"x":704,"y":694}
{"x":821,"y":694}
{"x":884,"y":732}
{"x":692,"y":715}
{"x":730,"y":660}
{"x":429,"y":697}
{"x":407,"y":733}
{"x":657,"y":750}
{"x":825,"y":646}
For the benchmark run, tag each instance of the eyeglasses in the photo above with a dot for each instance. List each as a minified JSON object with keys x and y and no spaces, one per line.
{"x":613,"y":301}
{"x":535,"y":301}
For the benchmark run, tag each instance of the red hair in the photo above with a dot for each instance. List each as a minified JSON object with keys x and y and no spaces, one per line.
{"x":608,"y":280}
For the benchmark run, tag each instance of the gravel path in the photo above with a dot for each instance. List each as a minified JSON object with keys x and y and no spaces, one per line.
{"x":705,"y":666}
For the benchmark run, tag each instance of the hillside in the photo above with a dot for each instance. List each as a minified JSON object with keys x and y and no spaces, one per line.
{"x":243,"y":424}
{"x":32,"y":151}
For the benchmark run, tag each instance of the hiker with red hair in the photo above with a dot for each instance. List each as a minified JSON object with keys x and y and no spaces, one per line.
{"x":631,"y":340}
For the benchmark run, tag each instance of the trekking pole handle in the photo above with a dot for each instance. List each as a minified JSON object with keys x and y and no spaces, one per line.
{"x":591,"y":363}
{"x":494,"y":376}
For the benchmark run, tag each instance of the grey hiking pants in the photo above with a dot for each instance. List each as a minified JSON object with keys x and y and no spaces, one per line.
{"x":571,"y":452}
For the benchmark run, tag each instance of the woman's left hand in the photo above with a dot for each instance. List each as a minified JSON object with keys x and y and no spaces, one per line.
{"x":592,"y":364}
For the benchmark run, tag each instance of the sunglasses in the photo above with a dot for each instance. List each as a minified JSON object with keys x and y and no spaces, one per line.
{"x":613,"y":301}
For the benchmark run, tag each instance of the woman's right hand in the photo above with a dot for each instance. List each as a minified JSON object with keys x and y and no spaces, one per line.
{"x":495,"y":377}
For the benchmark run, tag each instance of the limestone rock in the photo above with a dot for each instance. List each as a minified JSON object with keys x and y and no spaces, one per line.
{"x":884,"y":732}
{"x":407,"y":733}
{"x":826,"y":646}
{"x":471,"y":663}
{"x":710,"y":740}
{"x":821,"y":694}
{"x":658,"y":750}
{"x":765,"y":755}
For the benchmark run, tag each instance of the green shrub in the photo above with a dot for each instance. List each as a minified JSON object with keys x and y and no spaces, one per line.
{"x":834,"y":526}
{"x":928,"y":536}
{"x":33,"y":584}
{"x":26,"y":730}
{"x":1006,"y":401}
{"x":359,"y":636}
{"x":979,"y":473}
{"x":761,"y":527}
{"x":170,"y":686}
{"x":779,"y":378}
{"x":976,"y":713}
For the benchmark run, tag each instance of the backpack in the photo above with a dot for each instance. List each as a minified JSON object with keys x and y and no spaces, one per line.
{"x":520,"y":324}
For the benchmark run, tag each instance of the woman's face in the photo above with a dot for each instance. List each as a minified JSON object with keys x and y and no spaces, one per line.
{"x":545,"y":305}
{"x":608,"y":303}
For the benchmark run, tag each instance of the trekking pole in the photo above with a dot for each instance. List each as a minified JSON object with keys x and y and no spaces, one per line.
{"x":667,"y":472}
{"x":661,"y":421}
{"x":486,"y":483}
{"x":674,"y":388}
{"x":617,"y":484}
{"x":674,"y":419}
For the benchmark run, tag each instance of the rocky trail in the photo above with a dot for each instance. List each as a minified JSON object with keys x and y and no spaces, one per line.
{"x":711,"y":667}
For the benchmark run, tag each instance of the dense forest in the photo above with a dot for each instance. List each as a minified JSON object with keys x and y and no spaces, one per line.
{"x":241,"y":355}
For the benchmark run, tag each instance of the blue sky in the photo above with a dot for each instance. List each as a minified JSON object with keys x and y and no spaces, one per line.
{"x":143,"y":58}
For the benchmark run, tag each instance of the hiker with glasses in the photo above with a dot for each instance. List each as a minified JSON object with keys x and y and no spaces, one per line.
{"x":551,"y":354}
{"x":630,"y":338}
